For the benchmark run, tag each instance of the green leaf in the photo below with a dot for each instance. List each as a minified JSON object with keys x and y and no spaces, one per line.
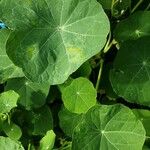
{"x":68,"y":121}
{"x":79,"y":96}
{"x":106,"y":4}
{"x":8,"y":100}
{"x":9,"y":144}
{"x":32,"y":95}
{"x":84,"y":71}
{"x":7,"y":68}
{"x":47,"y":142}
{"x":144,"y":116}
{"x":109,"y":127}
{"x":134,"y":27}
{"x":41,"y":121}
{"x":12,"y":130}
{"x":53,"y":39}
{"x":130,"y":77}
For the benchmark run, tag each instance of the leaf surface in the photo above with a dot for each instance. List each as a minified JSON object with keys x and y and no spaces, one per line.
{"x":32,"y":95}
{"x":8,"y":100}
{"x":134,"y":27}
{"x":53,"y":39}
{"x":7,"y":68}
{"x":79,"y":96}
{"x":130,"y":77}
{"x":7,"y":143}
{"x":109,"y":127}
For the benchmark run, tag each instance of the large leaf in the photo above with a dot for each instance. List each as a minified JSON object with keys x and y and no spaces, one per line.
{"x":134,"y":27}
{"x":53,"y":38}
{"x":7,"y":68}
{"x":109,"y":128}
{"x":32,"y":95}
{"x":8,"y":100}
{"x":130,"y":77}
{"x":9,"y":144}
{"x":79,"y":96}
{"x":68,"y":121}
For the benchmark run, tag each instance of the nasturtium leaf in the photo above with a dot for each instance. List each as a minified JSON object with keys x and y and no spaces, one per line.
{"x":79,"y":96}
{"x":41,"y":121}
{"x":8,"y":144}
{"x":8,"y":100}
{"x":68,"y":121}
{"x":130,"y":77}
{"x":134,"y":27}
{"x":47,"y":142}
{"x":109,"y":127}
{"x":84,"y":70}
{"x":144,"y":116}
{"x":52,"y":39}
{"x":12,"y":130}
{"x":32,"y":95}
{"x":7,"y":68}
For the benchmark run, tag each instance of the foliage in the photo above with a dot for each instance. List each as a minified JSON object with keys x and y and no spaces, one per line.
{"x":74,"y":74}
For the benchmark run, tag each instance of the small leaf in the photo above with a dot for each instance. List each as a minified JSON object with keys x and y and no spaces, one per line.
{"x":12,"y":130}
{"x":109,"y":127}
{"x":32,"y":95}
{"x":9,"y":144}
{"x":130,"y":77}
{"x":79,"y":96}
{"x":47,"y":142}
{"x":68,"y":121}
{"x":134,"y":27}
{"x":8,"y":100}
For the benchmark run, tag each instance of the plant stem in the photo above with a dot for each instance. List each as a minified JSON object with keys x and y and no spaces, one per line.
{"x":99,"y":74}
{"x":109,"y":46}
{"x":136,"y":6}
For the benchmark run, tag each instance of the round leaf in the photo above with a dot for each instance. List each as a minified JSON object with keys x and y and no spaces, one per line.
{"x":79,"y":96}
{"x":134,"y":27}
{"x":109,"y":127}
{"x":130,"y":77}
{"x":53,"y":39}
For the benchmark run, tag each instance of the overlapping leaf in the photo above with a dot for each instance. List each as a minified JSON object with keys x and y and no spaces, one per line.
{"x":53,"y":38}
{"x":134,"y":27}
{"x":130,"y":77}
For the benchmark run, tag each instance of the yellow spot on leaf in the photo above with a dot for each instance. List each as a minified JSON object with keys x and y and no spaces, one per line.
{"x":75,"y":54}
